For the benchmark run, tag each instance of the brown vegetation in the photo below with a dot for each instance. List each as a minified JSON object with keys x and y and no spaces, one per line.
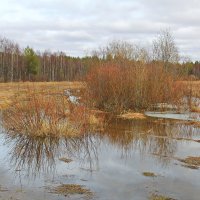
{"x":191,"y":161}
{"x":18,"y":64}
{"x":192,"y":87}
{"x":38,"y":115}
{"x":149,"y":174}
{"x":71,"y":189}
{"x":44,"y":112}
{"x":159,"y":197}
{"x":120,"y":77}
{"x":8,"y":91}
{"x":116,"y":87}
{"x":131,"y":115}
{"x":66,"y":160}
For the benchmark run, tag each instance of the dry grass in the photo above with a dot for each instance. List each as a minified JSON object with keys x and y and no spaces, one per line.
{"x":149,"y":174}
{"x":159,"y":197}
{"x":195,"y":109}
{"x":193,"y":86}
{"x":10,"y":90}
{"x":66,"y":160}
{"x":36,"y":114}
{"x":190,"y":166}
{"x":191,"y":161}
{"x":44,"y":110}
{"x":191,"y":123}
{"x":52,"y":116}
{"x":133,"y":115}
{"x":71,"y":189}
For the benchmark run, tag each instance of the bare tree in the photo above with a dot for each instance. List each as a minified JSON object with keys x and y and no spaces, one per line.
{"x":165,"y":49}
{"x":122,"y":50}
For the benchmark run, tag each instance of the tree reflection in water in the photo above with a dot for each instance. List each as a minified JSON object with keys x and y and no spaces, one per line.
{"x":36,"y":155}
{"x":155,"y":138}
{"x":150,"y":138}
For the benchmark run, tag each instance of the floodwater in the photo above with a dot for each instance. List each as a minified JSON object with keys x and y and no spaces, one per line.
{"x":110,"y":163}
{"x":189,"y":116}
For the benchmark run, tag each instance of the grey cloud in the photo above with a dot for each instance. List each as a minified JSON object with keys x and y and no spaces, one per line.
{"x":77,"y":25}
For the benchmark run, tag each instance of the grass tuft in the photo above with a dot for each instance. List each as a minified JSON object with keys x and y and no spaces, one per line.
{"x":191,"y":162}
{"x":71,"y":189}
{"x":159,"y":197}
{"x":149,"y":174}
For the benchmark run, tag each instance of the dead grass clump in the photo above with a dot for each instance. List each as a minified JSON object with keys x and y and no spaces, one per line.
{"x":71,"y":189}
{"x":191,"y":161}
{"x":149,"y":174}
{"x":66,"y":160}
{"x":190,"y":166}
{"x":133,"y":116}
{"x":38,"y":115}
{"x":195,"y":109}
{"x":159,"y":197}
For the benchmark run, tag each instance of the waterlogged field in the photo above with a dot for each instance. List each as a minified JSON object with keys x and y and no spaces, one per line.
{"x":10,"y":90}
{"x":141,"y":159}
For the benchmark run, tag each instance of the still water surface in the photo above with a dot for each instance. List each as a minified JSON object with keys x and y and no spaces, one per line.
{"x":110,"y":163}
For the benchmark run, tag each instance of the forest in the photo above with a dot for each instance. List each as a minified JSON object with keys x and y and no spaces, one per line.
{"x":27,"y":64}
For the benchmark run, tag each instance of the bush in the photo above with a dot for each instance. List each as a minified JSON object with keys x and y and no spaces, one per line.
{"x":137,"y":86}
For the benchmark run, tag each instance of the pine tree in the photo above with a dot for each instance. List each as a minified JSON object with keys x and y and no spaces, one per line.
{"x":31,"y":62}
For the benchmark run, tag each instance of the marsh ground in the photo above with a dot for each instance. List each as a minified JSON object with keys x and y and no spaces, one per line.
{"x":109,"y":164}
{"x":9,"y":90}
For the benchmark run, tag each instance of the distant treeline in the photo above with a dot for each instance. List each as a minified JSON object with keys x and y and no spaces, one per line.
{"x":17,"y":64}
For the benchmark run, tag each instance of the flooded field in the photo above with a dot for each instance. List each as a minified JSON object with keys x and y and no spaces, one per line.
{"x":130,"y":159}
{"x":189,"y":116}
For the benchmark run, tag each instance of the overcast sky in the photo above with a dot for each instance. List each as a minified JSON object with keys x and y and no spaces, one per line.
{"x":78,"y":26}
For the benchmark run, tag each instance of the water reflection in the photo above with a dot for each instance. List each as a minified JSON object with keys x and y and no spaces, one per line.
{"x":37,"y":155}
{"x":158,"y":139}
{"x":153,"y":137}
{"x":34,"y":154}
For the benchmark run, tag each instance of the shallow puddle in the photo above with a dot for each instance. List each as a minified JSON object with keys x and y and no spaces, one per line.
{"x":109,"y":164}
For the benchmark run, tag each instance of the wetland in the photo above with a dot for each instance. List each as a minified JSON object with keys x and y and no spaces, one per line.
{"x":129,"y":158}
